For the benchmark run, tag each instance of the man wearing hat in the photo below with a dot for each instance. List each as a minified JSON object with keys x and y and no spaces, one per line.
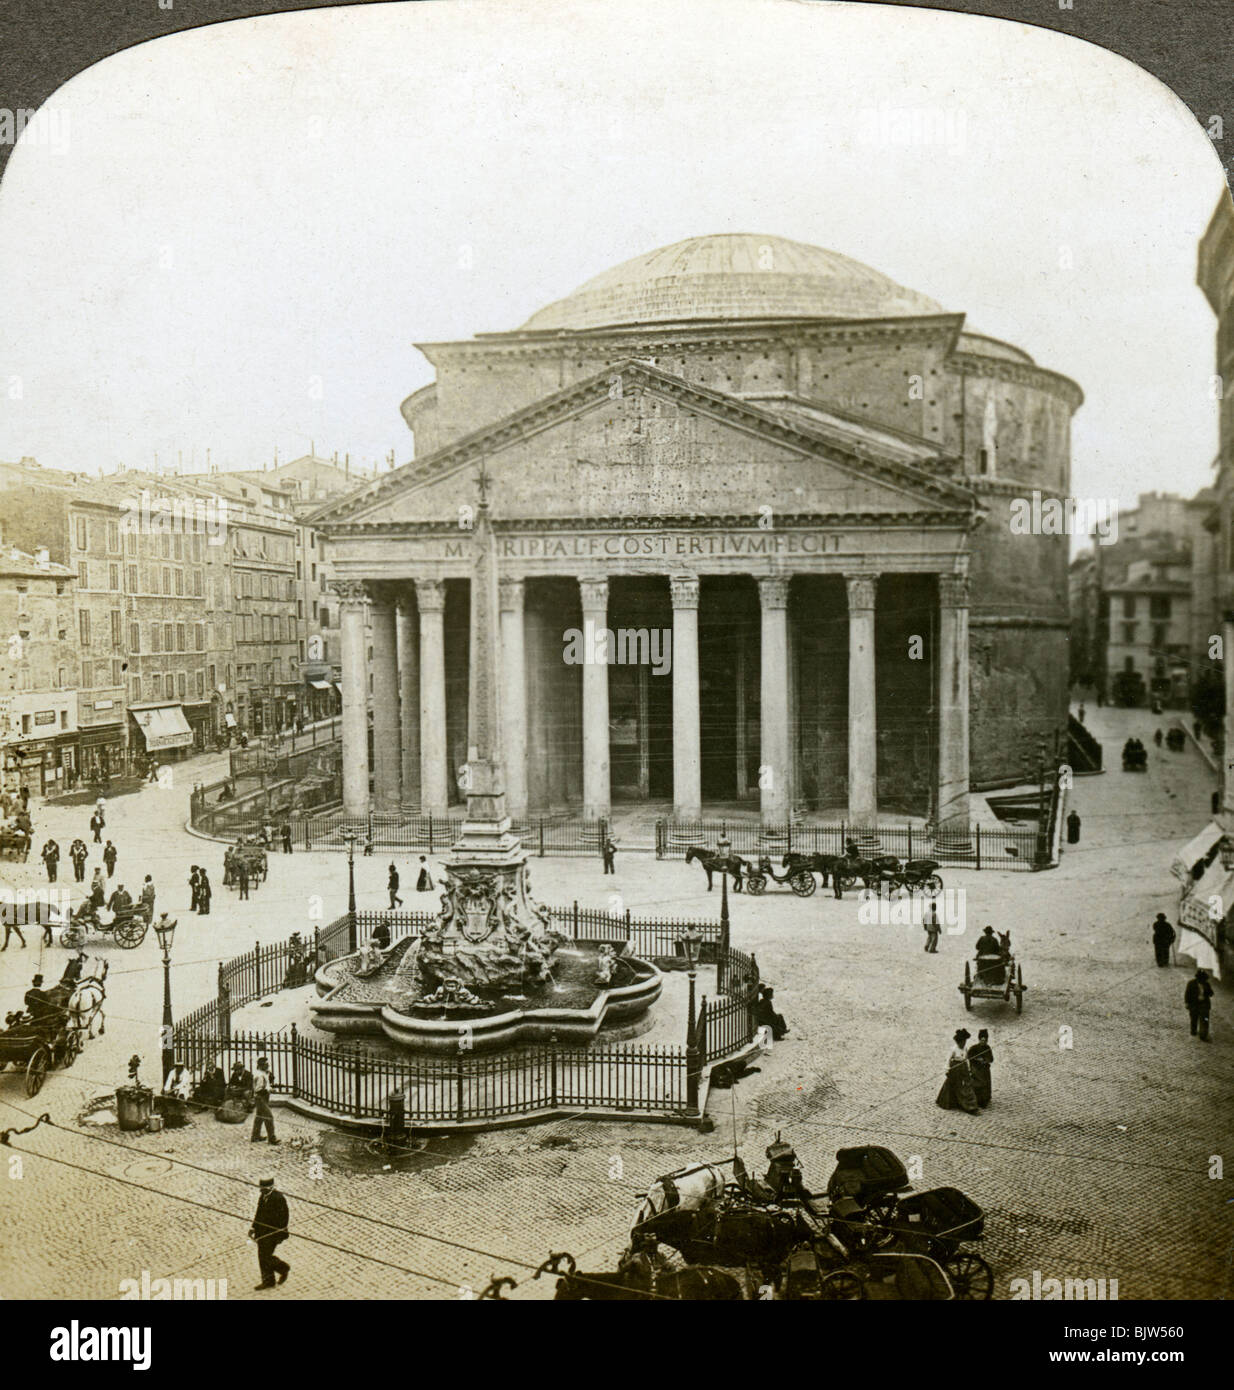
{"x":1163,"y":939}
{"x":262,"y":1115}
{"x":269,"y":1230}
{"x":38,"y":1005}
{"x":1198,"y":997}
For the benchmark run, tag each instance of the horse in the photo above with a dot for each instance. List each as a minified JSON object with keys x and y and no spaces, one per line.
{"x":814,"y":863}
{"x":85,"y":1004}
{"x":872,"y":872}
{"x":637,"y":1280}
{"x":714,"y":862}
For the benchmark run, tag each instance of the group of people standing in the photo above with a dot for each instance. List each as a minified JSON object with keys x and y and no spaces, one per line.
{"x":201,"y":891}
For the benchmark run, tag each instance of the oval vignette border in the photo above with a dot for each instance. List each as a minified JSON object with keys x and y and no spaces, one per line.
{"x":1189,"y":46}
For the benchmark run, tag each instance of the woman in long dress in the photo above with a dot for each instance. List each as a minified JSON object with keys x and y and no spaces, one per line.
{"x":957,"y":1092}
{"x":980,"y":1059}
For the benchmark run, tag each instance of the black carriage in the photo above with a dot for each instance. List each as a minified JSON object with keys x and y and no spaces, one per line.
{"x":35,"y":1046}
{"x":916,"y":875}
{"x":126,"y":928}
{"x":798,"y":878}
{"x":817,"y":1273}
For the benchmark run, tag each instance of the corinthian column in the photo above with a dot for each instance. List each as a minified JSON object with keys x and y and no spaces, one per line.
{"x":387,"y":757}
{"x":862,"y":723}
{"x":687,"y":756}
{"x":352,"y":605}
{"x":514,"y":692}
{"x":953,"y":702}
{"x":775,"y":748}
{"x":409,"y":699}
{"x":596,"y":780}
{"x":434,"y":789}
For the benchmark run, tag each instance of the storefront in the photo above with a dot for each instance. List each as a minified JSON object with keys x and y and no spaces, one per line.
{"x":1205,"y":868}
{"x":200,"y":719}
{"x":162,"y":731}
{"x":100,"y":751}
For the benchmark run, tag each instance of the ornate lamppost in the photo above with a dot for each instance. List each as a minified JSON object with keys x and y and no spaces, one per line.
{"x":724,"y":844}
{"x":351,"y":835}
{"x":165,"y":930}
{"x":690,"y":943}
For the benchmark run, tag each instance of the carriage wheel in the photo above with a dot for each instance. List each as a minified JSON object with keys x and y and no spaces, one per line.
{"x":967,"y":987}
{"x":933,"y":885}
{"x":756,"y":884}
{"x":842,"y":1286}
{"x":846,"y":882}
{"x":1019,"y":989}
{"x":803,"y":884}
{"x":73,"y":936}
{"x":132,"y":934}
{"x":36,"y":1070}
{"x":971,"y":1278}
{"x":880,"y":1219}
{"x":72,"y":1049}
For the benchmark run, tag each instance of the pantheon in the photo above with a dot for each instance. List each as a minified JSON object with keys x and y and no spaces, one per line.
{"x":795,"y":472}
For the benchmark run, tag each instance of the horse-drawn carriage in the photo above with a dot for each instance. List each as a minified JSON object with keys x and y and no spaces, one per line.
{"x":1135,"y":756}
{"x":127,"y":927}
{"x":875,"y":872}
{"x":997,"y":976}
{"x":799,"y":879}
{"x":868,"y":1236}
{"x":38,"y":1045}
{"x":59,"y":1021}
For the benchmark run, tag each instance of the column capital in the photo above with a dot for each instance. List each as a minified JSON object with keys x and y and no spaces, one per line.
{"x":594,"y":594}
{"x":511,"y":595}
{"x":431,"y":595}
{"x":953,"y":590}
{"x":684,"y":590}
{"x":773,"y":590}
{"x":861,"y":591}
{"x":351,"y":593}
{"x":379,"y":595}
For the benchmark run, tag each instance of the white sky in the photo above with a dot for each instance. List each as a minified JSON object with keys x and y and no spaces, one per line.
{"x":237,"y":234}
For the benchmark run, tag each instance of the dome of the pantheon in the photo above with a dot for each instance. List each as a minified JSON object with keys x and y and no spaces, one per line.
{"x":732,"y":276}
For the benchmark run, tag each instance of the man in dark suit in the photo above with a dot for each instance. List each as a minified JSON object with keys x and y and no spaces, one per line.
{"x":269,"y":1230}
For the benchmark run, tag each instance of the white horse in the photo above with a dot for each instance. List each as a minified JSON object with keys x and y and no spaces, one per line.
{"x":85,"y":1004}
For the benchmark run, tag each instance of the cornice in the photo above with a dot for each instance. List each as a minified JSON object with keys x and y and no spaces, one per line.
{"x":690,"y":521}
{"x":685,"y":337}
{"x":1019,"y":373}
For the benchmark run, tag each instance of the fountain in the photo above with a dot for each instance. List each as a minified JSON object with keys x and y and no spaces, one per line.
{"x":490,"y":970}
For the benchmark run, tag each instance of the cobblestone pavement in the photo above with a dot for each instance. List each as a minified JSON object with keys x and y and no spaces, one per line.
{"x":1093,"y":1161}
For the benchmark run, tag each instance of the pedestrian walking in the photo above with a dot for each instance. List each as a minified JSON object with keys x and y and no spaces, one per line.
{"x":368,"y":844}
{"x":1163,"y":939}
{"x":51,"y":859}
{"x":1157,"y":738}
{"x":153,"y":774}
{"x":98,"y":888}
{"x":263,"y":1115}
{"x":980,"y":1060}
{"x":957,"y":1091}
{"x":204,"y":894}
{"x":147,"y":898}
{"x":286,"y":833}
{"x":78,"y":853}
{"x":109,"y":858}
{"x":610,"y":855}
{"x":933,"y":930}
{"x":1198,"y":997}
{"x":242,"y":877}
{"x":392,"y":885}
{"x":269,"y":1230}
{"x":194,"y":888}
{"x":1073,"y":828}
{"x":96,"y":826}
{"x":424,"y":883}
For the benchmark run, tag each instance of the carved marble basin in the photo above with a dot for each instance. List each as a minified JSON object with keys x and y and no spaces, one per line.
{"x":571,"y":1007}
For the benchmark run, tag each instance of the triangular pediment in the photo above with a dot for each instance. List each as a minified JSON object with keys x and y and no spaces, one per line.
{"x":635,"y":440}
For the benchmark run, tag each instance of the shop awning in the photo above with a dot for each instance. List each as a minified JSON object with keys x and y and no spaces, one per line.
{"x":164,"y":727}
{"x":320,"y":685}
{"x":1200,"y":849}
